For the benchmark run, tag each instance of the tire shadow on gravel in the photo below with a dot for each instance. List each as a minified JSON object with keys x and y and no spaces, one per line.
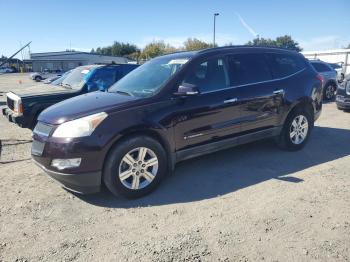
{"x":230,"y":170}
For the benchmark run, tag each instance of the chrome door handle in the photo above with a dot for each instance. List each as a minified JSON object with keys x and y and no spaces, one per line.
{"x":279,"y":91}
{"x":232,"y":100}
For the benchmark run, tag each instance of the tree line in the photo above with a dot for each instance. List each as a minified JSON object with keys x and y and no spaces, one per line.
{"x":157,"y":48}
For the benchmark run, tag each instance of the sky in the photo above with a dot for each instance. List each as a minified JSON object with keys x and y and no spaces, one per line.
{"x":85,"y":24}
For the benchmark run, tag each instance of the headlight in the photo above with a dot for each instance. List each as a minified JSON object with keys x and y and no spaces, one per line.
{"x":80,"y":127}
{"x":17,"y":103}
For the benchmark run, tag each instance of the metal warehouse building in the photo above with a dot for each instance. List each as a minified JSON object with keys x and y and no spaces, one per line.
{"x":70,"y":59}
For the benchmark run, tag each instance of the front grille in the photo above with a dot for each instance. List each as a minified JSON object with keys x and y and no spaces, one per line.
{"x":42,"y":129}
{"x":10,"y":103}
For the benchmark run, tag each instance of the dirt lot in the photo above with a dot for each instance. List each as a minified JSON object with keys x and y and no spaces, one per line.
{"x":250,"y":203}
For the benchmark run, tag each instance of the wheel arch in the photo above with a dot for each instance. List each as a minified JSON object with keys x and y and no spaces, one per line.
{"x":304,"y":103}
{"x":143,"y":131}
{"x":331,"y":81}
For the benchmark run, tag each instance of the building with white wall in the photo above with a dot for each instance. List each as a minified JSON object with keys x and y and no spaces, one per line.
{"x":70,"y":59}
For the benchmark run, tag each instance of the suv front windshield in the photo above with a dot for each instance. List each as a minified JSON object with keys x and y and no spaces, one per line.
{"x":146,"y":80}
{"x":77,"y":78}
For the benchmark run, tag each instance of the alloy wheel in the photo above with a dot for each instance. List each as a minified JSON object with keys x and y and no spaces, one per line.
{"x":299,"y":129}
{"x":330,"y":91}
{"x":138,"y":168}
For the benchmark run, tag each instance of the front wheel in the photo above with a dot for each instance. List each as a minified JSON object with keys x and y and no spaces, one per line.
{"x":135,"y":167}
{"x":37,"y":78}
{"x":296,"y":130}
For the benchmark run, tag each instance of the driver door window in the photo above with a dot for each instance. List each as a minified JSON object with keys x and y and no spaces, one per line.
{"x":208,"y":76}
{"x":102,"y":79}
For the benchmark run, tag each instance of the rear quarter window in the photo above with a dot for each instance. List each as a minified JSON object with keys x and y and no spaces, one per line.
{"x":283,"y":65}
{"x":248,"y":69}
{"x":321,"y":67}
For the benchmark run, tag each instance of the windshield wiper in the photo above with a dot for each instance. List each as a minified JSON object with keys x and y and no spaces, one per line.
{"x":123,"y":93}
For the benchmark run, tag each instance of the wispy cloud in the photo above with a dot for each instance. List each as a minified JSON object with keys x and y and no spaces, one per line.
{"x":324,"y":42}
{"x":243,"y":22}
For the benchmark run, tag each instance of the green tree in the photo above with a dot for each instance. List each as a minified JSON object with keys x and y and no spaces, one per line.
{"x":117,"y":49}
{"x":192,"y":44}
{"x":262,"y":42}
{"x":156,"y":48}
{"x":285,"y":41}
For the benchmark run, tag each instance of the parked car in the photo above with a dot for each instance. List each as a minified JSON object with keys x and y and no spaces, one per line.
{"x":23,"y":109}
{"x":6,"y":70}
{"x":56,"y":80}
{"x":39,"y":76}
{"x":330,"y":82}
{"x":343,"y":94}
{"x":173,"y":108}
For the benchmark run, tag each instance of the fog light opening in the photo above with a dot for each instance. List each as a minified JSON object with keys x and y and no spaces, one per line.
{"x":61,"y":164}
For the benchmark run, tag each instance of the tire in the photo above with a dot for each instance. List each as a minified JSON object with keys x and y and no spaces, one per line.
{"x":38,"y":78}
{"x":286,"y":140}
{"x":329,"y":91}
{"x":139,"y":180}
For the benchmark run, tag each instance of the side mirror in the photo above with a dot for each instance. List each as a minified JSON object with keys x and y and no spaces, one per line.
{"x":187,"y":90}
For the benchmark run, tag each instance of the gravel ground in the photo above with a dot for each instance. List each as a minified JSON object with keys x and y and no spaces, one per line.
{"x":249,"y":203}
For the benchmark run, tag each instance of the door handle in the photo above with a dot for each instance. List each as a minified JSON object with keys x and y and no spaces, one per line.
{"x":279,"y":91}
{"x":232,"y":100}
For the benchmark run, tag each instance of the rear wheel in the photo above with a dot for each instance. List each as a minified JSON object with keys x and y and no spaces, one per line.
{"x":329,"y":91}
{"x":296,"y":130}
{"x":135,"y":167}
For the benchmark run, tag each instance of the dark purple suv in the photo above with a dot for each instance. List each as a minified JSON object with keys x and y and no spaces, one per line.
{"x":173,"y":108}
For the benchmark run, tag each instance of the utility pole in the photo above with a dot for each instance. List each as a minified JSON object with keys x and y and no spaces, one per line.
{"x":215,"y":15}
{"x":15,"y":54}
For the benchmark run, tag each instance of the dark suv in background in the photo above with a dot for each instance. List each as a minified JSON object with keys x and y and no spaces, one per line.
{"x":173,"y":108}
{"x":343,"y":94}
{"x":24,"y":108}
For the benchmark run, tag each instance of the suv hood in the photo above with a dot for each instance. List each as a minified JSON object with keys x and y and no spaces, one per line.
{"x":43,"y":89}
{"x":84,"y":105}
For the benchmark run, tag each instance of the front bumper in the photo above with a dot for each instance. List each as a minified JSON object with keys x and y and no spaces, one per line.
{"x":83,"y":183}
{"x":12,"y":117}
{"x":343,"y":102}
{"x":86,"y":178}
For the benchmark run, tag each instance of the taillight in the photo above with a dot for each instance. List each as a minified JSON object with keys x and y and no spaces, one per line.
{"x":320,"y":77}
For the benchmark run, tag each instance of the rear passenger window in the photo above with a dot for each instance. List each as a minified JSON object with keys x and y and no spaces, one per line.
{"x":248,"y":68}
{"x":283,"y":65}
{"x":209,"y":76}
{"x":320,"y":67}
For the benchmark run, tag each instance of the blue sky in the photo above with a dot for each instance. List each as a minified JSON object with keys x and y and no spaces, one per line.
{"x":84,"y":24}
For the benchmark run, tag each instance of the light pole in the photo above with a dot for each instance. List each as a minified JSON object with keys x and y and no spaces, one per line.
{"x":215,"y":15}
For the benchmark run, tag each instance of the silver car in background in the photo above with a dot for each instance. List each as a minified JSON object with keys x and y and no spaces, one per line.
{"x":39,"y":76}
